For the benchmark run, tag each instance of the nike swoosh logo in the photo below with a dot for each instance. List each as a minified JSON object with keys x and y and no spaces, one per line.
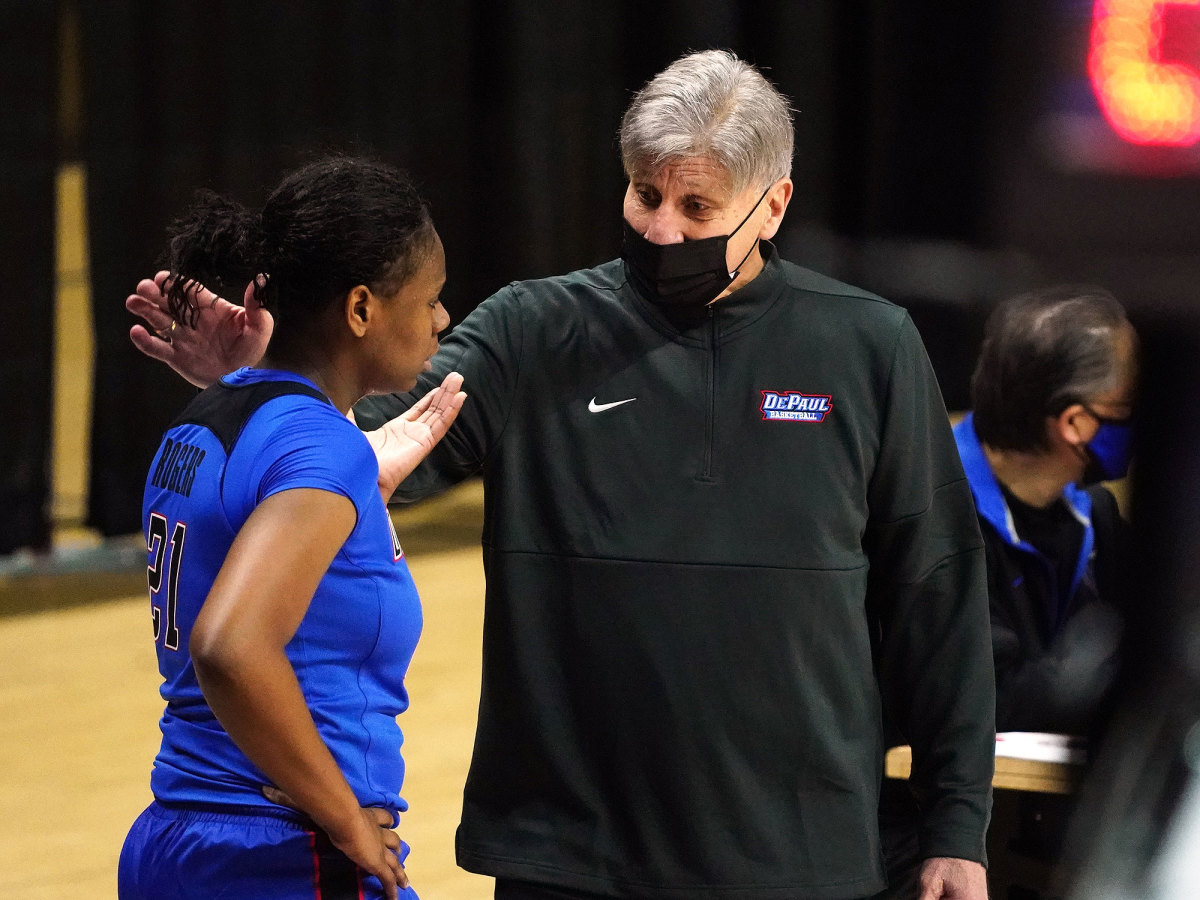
{"x":595,"y":407}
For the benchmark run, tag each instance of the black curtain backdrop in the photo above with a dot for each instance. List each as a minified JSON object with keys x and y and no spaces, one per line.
{"x":1145,"y":768}
{"x":505,"y":112}
{"x":27,"y":156}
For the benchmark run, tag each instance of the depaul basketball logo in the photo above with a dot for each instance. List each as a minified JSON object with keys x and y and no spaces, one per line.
{"x":794,"y":406}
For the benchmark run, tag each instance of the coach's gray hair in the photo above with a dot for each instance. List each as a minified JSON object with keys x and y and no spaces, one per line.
{"x":710,"y":104}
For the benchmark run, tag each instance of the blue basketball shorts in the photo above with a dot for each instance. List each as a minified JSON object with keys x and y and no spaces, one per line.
{"x":186,"y":854}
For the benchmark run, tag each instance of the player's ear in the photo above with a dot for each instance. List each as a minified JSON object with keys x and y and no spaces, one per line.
{"x":360,"y":308}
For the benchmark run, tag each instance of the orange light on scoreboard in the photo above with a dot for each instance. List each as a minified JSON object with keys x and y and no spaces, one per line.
{"x":1146,"y":97}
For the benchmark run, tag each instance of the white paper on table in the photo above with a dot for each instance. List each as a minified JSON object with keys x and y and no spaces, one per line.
{"x":1059,"y":748}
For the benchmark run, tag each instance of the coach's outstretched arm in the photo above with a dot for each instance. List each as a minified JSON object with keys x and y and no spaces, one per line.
{"x":225,"y":337}
{"x":401,"y":443}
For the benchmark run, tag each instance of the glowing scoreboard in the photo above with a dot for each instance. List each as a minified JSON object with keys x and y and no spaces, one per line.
{"x":1128,"y":88}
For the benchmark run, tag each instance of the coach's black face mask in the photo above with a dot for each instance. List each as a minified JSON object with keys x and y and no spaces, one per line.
{"x":691,"y":273}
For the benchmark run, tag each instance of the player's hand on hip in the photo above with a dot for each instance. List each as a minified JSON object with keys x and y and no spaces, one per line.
{"x":215,"y":338}
{"x":373,"y":846}
{"x":381,"y":858}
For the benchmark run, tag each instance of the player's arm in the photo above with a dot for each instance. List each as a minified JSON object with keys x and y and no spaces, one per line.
{"x":237,"y":645}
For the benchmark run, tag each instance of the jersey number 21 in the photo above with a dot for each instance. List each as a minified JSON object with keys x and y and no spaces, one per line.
{"x":156,"y":573}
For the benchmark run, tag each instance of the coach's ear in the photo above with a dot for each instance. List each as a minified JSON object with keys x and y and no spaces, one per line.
{"x":777,"y":199}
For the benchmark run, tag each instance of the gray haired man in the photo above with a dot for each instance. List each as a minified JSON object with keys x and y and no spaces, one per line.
{"x":726,"y":528}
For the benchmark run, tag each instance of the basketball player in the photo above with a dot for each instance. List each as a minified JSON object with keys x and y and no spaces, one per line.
{"x":284,"y":613}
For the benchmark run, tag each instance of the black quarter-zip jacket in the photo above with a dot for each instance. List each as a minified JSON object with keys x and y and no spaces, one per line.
{"x":716,"y":548}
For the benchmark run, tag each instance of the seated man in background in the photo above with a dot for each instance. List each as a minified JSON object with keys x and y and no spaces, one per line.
{"x":1052,"y":394}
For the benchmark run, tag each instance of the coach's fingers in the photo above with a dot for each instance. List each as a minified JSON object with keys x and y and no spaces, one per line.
{"x":154,"y":289}
{"x":257,"y":316}
{"x":154,"y":311}
{"x":201,"y":297}
{"x":152,"y":346}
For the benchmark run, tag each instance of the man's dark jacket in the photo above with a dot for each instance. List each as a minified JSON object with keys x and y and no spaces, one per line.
{"x":701,"y":533}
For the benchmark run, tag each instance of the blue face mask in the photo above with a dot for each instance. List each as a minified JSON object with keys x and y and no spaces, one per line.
{"x":1110,"y":449}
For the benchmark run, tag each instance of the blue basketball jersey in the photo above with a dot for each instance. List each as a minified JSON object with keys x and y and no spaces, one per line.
{"x":251,"y":435}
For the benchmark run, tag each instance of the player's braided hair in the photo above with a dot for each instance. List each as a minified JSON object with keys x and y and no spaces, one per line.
{"x":329,"y":226}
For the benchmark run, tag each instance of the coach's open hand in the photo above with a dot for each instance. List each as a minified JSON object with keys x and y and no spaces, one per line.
{"x":223,"y":336}
{"x":401,"y":443}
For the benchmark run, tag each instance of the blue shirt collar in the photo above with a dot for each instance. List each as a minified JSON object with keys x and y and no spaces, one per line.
{"x":989,"y":500}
